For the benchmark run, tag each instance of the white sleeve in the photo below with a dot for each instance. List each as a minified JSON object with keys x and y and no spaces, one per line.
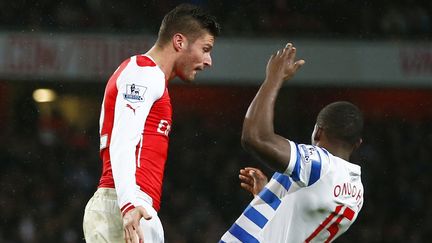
{"x":307,"y":163}
{"x":138,"y":88}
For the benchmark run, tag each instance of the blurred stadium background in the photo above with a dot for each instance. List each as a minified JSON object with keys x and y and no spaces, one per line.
{"x":57,"y":56}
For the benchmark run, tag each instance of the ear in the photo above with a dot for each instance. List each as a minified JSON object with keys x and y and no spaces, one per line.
{"x":357,"y":145}
{"x":179,"y":42}
{"x":318,"y":133}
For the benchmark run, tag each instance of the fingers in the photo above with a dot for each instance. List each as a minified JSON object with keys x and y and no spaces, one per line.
{"x":254,"y":173}
{"x":250,"y":175}
{"x":246,"y":176}
{"x":284,"y":51}
{"x":251,"y":168}
{"x":134,"y":235}
{"x":259,"y":174}
{"x":246,"y":170}
{"x":288,"y":49}
{"x":131,"y":223}
{"x":140,"y":234}
{"x":258,"y":178}
{"x":289,"y":52}
{"x":246,"y":179}
{"x":298,"y":64}
{"x":127,"y":235}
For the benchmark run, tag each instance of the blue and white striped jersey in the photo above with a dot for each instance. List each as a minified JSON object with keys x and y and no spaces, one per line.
{"x":316,"y":199}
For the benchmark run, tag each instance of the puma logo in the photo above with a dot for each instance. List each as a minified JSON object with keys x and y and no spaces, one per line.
{"x":133,"y":109}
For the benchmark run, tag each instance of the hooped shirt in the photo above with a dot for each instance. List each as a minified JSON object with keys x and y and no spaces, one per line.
{"x":316,"y":199}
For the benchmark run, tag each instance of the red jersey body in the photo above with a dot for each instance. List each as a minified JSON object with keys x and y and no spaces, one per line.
{"x":135,"y":122}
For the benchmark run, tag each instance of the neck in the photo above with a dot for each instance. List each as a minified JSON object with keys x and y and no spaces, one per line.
{"x":337,"y":150}
{"x":165,"y":59}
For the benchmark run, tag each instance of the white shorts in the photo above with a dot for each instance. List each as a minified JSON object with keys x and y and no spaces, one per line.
{"x":103,"y":221}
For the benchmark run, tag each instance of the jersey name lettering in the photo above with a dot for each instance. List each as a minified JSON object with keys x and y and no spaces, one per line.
{"x":347,"y":189}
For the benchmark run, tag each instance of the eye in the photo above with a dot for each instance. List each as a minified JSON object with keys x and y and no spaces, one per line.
{"x":206,"y":49}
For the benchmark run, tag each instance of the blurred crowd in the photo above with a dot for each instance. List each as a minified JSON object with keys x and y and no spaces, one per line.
{"x":49,"y":171}
{"x":327,"y":18}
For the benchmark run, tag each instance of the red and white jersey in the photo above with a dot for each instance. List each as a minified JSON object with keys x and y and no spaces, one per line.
{"x":135,"y":122}
{"x":317,"y":199}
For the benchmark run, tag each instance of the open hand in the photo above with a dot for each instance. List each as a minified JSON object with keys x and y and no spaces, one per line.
{"x":282,"y":65}
{"x":131,"y":224}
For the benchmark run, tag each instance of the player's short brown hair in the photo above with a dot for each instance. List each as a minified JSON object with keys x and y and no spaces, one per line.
{"x":342,"y":121}
{"x":188,"y":20}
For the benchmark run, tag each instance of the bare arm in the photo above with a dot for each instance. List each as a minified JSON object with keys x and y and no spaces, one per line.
{"x":258,"y":134}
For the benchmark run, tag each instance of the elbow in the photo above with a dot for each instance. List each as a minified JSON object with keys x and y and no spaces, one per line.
{"x":250,"y":141}
{"x":245,"y":142}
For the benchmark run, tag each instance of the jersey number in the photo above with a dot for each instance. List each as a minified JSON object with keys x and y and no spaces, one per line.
{"x":333,"y":228}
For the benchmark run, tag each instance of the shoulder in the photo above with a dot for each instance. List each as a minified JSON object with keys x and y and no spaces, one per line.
{"x":308,"y":152}
{"x":349,"y":167}
{"x":145,"y":67}
{"x":307,"y":163}
{"x":144,"y":61}
{"x":142,"y":73}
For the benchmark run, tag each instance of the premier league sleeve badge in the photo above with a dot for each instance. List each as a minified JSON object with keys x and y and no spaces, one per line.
{"x":134,"y":93}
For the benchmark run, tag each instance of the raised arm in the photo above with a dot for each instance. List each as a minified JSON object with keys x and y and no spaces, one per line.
{"x":258,"y":134}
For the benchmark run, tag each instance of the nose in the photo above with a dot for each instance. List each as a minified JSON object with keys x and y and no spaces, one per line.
{"x":207,"y":60}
